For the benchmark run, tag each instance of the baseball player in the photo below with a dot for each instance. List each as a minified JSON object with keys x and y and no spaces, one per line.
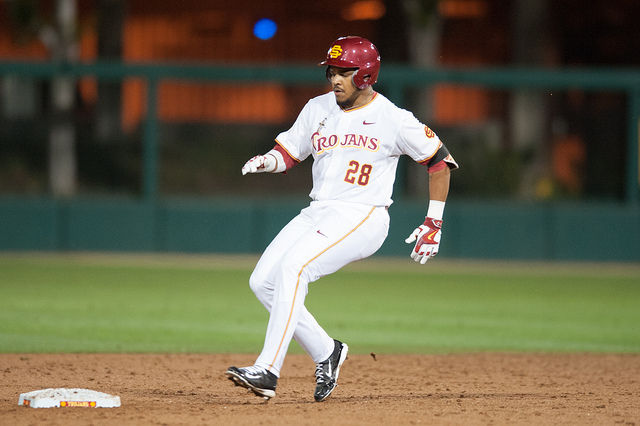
{"x":355,"y":136}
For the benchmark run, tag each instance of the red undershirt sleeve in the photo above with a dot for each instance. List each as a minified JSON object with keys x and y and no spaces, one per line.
{"x":289,"y":161}
{"x":440,"y":165}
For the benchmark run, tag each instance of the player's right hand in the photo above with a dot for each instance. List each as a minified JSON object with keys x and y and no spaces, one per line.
{"x":427,"y":238}
{"x":259,"y":164}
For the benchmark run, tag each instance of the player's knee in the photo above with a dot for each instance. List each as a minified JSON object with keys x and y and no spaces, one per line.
{"x":298,"y":270}
{"x":258,"y":285}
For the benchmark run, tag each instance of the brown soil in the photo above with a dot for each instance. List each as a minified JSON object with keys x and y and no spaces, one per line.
{"x":485,"y":388}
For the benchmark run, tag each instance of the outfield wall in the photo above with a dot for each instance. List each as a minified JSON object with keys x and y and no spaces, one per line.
{"x":491,"y":229}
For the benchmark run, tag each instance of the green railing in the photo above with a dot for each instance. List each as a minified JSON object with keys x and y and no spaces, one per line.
{"x":394,"y":80}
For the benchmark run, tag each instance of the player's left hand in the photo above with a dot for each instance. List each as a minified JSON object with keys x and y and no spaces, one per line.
{"x":259,"y":164}
{"x":427,"y":238}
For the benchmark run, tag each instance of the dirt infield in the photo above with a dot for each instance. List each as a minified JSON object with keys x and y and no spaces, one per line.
{"x":483,"y":389}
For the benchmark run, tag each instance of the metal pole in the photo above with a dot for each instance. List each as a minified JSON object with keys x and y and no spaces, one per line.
{"x":150,"y":156}
{"x":63,"y":164}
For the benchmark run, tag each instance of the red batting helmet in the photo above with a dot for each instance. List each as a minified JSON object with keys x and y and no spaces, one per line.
{"x":355,"y":52}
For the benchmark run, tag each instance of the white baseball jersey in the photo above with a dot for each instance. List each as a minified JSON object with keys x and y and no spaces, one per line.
{"x":356,"y":151}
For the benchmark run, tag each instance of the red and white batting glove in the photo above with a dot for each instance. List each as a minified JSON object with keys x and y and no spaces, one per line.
{"x":427,"y":238}
{"x":259,"y":164}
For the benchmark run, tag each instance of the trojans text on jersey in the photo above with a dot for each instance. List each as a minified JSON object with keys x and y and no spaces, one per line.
{"x":350,"y":140}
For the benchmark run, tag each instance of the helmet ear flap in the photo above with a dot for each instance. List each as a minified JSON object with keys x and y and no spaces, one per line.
{"x":355,"y":79}
{"x":361,"y":81}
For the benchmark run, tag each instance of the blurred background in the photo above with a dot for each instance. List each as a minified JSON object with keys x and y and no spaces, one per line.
{"x":124,"y":124}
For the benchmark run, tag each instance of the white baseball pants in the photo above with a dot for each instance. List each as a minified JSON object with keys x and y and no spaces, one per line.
{"x":322,"y":239}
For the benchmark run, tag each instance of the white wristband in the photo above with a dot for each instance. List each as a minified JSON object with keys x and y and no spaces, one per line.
{"x":436,"y":209}
{"x":279,"y":165}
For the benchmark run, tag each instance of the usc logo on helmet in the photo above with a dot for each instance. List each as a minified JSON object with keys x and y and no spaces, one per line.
{"x":335,"y":51}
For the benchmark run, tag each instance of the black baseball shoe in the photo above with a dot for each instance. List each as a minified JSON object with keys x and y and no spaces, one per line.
{"x":327,"y":372}
{"x":256,"y":379}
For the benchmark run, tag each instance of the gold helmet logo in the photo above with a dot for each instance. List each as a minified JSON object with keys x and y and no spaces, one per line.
{"x":335,"y":51}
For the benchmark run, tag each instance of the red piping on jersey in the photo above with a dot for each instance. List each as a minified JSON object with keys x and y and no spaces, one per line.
{"x":300,"y":273}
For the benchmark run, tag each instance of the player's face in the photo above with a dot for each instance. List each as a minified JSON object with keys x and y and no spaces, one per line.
{"x":343,"y":88}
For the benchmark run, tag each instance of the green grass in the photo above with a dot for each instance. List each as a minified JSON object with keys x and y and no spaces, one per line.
{"x":120,"y":303}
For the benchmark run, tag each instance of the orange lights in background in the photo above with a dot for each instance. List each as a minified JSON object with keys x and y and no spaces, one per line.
{"x":569,"y":156}
{"x":463,"y":8}
{"x":364,"y":10}
{"x":187,"y":102}
{"x":33,"y":49}
{"x":457,"y":105}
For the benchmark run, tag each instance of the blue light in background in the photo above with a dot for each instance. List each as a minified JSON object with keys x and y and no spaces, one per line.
{"x":264,"y":29}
